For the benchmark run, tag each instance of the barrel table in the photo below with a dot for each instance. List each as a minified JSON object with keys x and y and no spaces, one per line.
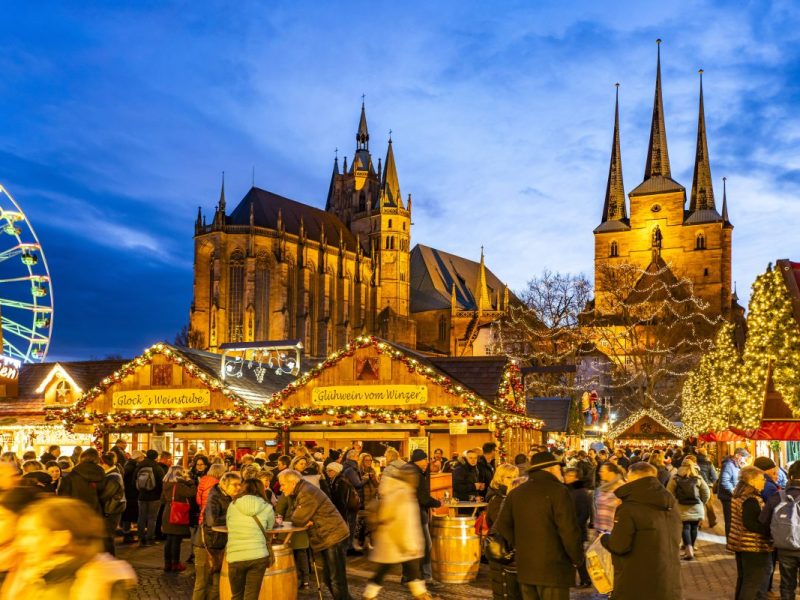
{"x":280,"y":580}
{"x":456,"y":548}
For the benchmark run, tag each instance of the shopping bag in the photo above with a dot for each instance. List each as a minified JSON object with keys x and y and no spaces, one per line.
{"x":600,"y":567}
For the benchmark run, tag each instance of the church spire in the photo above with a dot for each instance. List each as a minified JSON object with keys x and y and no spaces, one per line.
{"x":725,"y":200}
{"x":657,"y":153}
{"x":390,"y":186}
{"x":362,"y":136}
{"x":329,"y":202}
{"x":702,"y":188}
{"x":614,"y":207}
{"x":481,"y":292}
{"x":221,"y":204}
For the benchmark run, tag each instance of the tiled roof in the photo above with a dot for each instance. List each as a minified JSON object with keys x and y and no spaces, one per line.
{"x":553,"y":411}
{"x":266,"y":206}
{"x":482,"y":374}
{"x":433,"y":273}
{"x":657,"y":185}
{"x":85,"y":373}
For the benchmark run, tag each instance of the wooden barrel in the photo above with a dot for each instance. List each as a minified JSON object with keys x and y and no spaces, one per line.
{"x":280,"y":580}
{"x":456,"y":550}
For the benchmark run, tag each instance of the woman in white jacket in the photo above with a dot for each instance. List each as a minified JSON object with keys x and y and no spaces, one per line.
{"x":397,"y":537}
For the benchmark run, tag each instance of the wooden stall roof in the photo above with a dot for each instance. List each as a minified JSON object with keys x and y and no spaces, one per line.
{"x":553,"y":411}
{"x":647,"y":423}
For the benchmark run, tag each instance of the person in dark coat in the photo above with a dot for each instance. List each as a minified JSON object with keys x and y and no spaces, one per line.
{"x":709,"y":473}
{"x":178,"y":487}
{"x":499,"y":486}
{"x":728,"y":478}
{"x":788,"y":558}
{"x":486,"y":463}
{"x":466,"y":479}
{"x":206,"y":583}
{"x":328,"y":532}
{"x":346,"y":500}
{"x":112,"y":499}
{"x":582,"y":502}
{"x":352,"y":475}
{"x":538,"y":520}
{"x":86,"y":481}
{"x":646,"y":538}
{"x":35,"y":475}
{"x":131,"y":513}
{"x":149,"y":500}
{"x":419,"y":464}
{"x":119,"y":448}
{"x":53,"y":452}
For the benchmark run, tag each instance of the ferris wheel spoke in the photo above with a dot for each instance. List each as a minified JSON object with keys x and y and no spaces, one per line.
{"x":11,"y":350}
{"x":20,"y":330}
{"x":25,"y":305}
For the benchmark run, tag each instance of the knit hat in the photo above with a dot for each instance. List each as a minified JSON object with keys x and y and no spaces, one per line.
{"x":334,"y":454}
{"x":418,"y":454}
{"x":335,"y":467}
{"x":763,"y":463}
{"x":542,"y":460}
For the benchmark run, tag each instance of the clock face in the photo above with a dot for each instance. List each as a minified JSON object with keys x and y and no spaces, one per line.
{"x":655,"y":208}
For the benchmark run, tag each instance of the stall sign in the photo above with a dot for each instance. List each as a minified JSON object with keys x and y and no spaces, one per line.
{"x":458,"y":428}
{"x":420,"y":443}
{"x":369,"y":395}
{"x":160,"y":399}
{"x":9,"y":368}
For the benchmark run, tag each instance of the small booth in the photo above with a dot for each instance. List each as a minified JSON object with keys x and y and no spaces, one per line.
{"x":555,"y":413}
{"x":175,"y":399}
{"x":646,"y":425}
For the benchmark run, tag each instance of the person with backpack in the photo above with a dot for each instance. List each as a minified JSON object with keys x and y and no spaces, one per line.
{"x":86,"y":481}
{"x":781,"y":513}
{"x":148,"y":479}
{"x":346,"y":499}
{"x":691,"y":491}
{"x":112,"y":499}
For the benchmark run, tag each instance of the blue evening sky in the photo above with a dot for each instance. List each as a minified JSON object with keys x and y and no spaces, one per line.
{"x":118,"y":118}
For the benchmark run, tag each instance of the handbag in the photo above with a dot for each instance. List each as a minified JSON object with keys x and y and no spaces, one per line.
{"x":178,"y":511}
{"x":214,"y":555}
{"x":270,"y":554}
{"x":496,"y":548}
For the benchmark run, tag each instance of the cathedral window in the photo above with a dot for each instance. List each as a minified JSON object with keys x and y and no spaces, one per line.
{"x":387,"y":241}
{"x":390,"y":223}
{"x":236,"y":298}
{"x":262,"y":299}
{"x":210,"y":288}
{"x":362,"y":202}
{"x":614,"y":249}
{"x":700,"y":243}
{"x":442,"y":329}
{"x":404,"y":226}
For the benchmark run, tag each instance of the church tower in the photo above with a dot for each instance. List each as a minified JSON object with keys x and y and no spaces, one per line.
{"x":370,"y":203}
{"x":694,"y":242}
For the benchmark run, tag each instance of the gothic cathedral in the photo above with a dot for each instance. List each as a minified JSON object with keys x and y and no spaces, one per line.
{"x":278,"y":269}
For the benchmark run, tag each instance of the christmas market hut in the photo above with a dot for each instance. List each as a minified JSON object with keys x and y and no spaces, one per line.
{"x":180,"y":400}
{"x":646,"y":425}
{"x":28,"y":390}
{"x":384,"y":394}
{"x":555,"y":414}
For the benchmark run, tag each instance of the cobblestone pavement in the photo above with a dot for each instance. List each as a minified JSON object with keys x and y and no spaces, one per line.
{"x":710,"y":577}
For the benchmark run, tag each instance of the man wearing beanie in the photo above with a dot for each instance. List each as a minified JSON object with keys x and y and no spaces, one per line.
{"x":419,"y":464}
{"x":770,"y":469}
{"x":537,"y":519}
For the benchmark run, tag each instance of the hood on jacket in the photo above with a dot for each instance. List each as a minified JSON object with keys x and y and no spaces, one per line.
{"x":647,"y":490}
{"x":90,"y":471}
{"x":249,"y":505}
{"x":41,"y":477}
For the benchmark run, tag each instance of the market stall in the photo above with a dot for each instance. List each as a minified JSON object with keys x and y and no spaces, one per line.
{"x":647,"y":425}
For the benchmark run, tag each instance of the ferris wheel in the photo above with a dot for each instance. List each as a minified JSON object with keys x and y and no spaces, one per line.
{"x":26,"y":292}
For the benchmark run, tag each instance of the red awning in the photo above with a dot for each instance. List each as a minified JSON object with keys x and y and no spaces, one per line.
{"x":772,"y":430}
{"x":721,"y":436}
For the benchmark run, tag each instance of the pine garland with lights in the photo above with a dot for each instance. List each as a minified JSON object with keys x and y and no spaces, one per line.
{"x":679,"y":433}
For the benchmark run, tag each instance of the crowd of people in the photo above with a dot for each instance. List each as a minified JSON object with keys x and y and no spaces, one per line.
{"x":643,"y":505}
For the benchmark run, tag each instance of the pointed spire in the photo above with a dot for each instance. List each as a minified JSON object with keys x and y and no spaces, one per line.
{"x":453,"y":301}
{"x":344,"y":166}
{"x":725,"y":200}
{"x":481,"y":292}
{"x":199,"y":216}
{"x":657,"y":153}
{"x":221,"y":204}
{"x":614,"y":206}
{"x":390,"y":186}
{"x":702,"y":189}
{"x":362,"y":136}
{"x":329,"y":201}
{"x":505,"y":297}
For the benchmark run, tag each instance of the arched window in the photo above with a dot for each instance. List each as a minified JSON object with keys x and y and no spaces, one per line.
{"x":63,"y":392}
{"x":614,"y":249}
{"x":262,"y":299}
{"x":390,"y":223}
{"x":700,"y":243}
{"x":388,"y":241}
{"x":210,"y":289}
{"x":236,"y":297}
{"x":362,"y":202}
{"x":442,"y":329}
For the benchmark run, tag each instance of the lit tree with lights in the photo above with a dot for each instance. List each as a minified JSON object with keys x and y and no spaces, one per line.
{"x":709,"y":390}
{"x":654,"y":330}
